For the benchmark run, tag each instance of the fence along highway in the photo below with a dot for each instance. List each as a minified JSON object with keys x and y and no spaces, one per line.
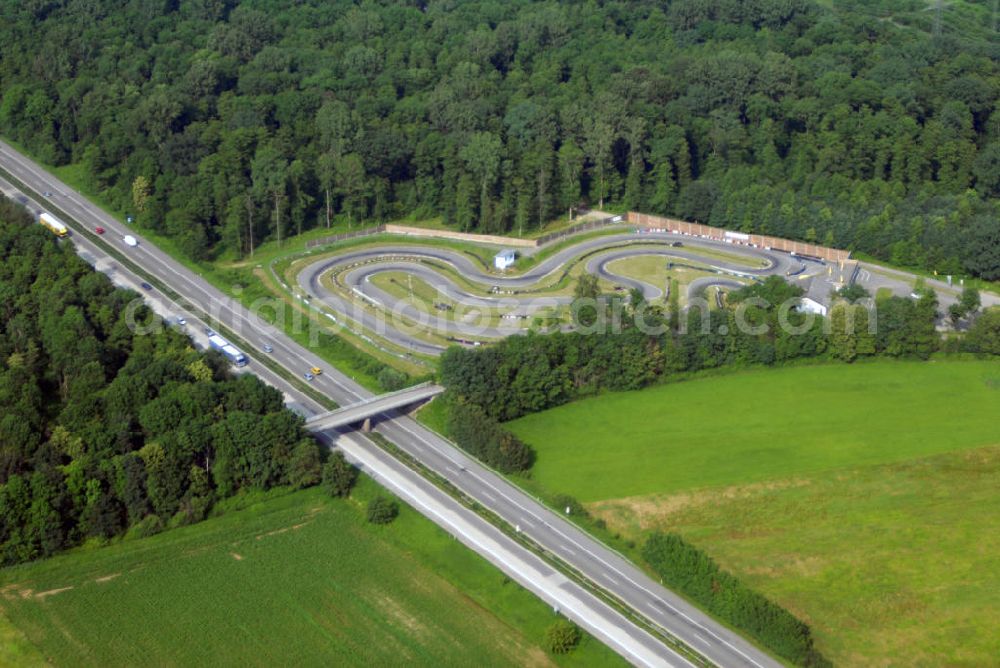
{"x":551,"y":532}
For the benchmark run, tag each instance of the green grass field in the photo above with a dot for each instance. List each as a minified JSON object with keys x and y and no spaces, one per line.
{"x":761,"y":425}
{"x":864,"y":498}
{"x":892,"y":565}
{"x":300,"y":579}
{"x":653,"y":270}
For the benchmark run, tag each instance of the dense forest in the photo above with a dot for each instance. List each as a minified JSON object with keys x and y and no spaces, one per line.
{"x":866,"y":125}
{"x":103,"y":430}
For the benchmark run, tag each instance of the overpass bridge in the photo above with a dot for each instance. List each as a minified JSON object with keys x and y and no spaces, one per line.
{"x":363,"y":411}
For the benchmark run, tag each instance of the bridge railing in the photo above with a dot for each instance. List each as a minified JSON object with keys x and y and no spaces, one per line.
{"x":371,"y":400}
{"x":393,"y":394}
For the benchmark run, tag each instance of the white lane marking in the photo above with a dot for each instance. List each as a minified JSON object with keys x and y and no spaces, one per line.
{"x":242,"y":317}
{"x":595,"y":556}
{"x":449,"y":519}
{"x":85,"y":213}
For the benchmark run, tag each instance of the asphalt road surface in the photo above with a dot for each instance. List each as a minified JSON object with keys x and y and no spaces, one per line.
{"x":503,"y":302}
{"x":591,"y":559}
{"x":516,"y":296}
{"x":520,"y":563}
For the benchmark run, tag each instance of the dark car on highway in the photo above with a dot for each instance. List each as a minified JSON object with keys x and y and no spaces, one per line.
{"x":146,"y":286}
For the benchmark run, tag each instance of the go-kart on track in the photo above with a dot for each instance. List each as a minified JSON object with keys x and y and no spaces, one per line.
{"x":515,"y":297}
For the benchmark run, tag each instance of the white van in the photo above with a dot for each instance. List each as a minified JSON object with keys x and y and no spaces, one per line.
{"x":130,"y":240}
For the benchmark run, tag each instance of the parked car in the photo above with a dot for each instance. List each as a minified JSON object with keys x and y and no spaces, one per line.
{"x":99,"y":229}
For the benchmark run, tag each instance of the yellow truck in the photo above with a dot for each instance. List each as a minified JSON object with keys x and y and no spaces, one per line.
{"x":55,"y":225}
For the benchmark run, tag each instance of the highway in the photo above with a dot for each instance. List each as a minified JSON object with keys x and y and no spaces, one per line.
{"x":549,"y":530}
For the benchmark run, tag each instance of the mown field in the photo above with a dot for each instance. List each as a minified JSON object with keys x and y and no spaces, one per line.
{"x":863,"y":498}
{"x":761,"y":425}
{"x":891,"y":565}
{"x":300,"y":579}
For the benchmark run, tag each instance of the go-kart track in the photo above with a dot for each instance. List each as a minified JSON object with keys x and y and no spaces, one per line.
{"x":493,"y":304}
{"x":277,"y":359}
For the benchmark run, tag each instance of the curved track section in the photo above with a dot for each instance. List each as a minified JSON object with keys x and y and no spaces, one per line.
{"x":491,"y":305}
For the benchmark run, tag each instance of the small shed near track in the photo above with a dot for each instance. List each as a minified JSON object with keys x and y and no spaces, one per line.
{"x":504,"y":259}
